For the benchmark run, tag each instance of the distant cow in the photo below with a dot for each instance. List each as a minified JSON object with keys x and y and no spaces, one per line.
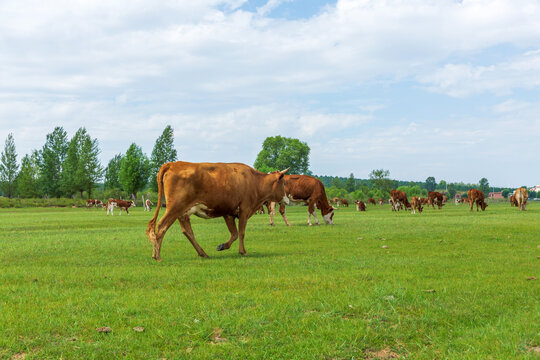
{"x":399,"y":197}
{"x":360,"y":205}
{"x":93,"y":202}
{"x":344,"y":202}
{"x":371,"y":201}
{"x":444,"y":199}
{"x":307,"y":189}
{"x":521,"y":195}
{"x":148,"y":205}
{"x":122,"y":204}
{"x":335,"y":201}
{"x":380,"y":201}
{"x":476,"y":196}
{"x":210,"y":190}
{"x":435,"y":197}
{"x":416,"y":205}
{"x":513,"y":201}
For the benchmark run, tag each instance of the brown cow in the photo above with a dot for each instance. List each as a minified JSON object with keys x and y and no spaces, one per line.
{"x":416,"y":204}
{"x":307,"y":189}
{"x":444,"y":199}
{"x":360,"y":205}
{"x":210,"y":190}
{"x":371,"y":201}
{"x":335,"y":201}
{"x":521,"y":195}
{"x":380,"y":201}
{"x":344,"y":202}
{"x":147,"y":205}
{"x":513,"y":201}
{"x":476,"y":196}
{"x":435,"y":197}
{"x":122,"y":204}
{"x":399,"y":198}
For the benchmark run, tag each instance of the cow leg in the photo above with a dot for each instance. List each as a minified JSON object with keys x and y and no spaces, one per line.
{"x":231,"y":225}
{"x":312,"y":211}
{"x":282,"y":212}
{"x":242,"y":222}
{"x":162,"y":226}
{"x":185,"y":224}
{"x":471,"y":203}
{"x":271,"y":207}
{"x":127,"y":211}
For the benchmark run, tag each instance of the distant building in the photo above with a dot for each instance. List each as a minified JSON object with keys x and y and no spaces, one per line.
{"x":535,"y":189}
{"x":495,"y":195}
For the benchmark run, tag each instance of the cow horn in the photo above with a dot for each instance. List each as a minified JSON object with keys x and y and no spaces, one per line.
{"x":284,"y":171}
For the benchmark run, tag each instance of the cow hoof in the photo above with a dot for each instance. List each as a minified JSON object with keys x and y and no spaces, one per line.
{"x":158,"y":259}
{"x":204,"y":256}
{"x":220,"y":247}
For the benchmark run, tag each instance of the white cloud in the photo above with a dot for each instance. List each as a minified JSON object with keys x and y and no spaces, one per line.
{"x":226,"y":78}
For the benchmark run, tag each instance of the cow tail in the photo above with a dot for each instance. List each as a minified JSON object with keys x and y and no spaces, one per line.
{"x":151,"y":230}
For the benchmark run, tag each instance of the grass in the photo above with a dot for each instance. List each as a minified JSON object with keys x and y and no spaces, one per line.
{"x":320,"y":292}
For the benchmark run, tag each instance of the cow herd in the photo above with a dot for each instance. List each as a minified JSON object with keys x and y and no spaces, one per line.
{"x":237,"y":191}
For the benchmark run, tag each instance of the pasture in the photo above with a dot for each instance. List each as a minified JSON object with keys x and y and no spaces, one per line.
{"x":447,"y":284}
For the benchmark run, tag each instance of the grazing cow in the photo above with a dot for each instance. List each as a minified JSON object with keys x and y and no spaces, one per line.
{"x":513,"y":201}
{"x":210,"y":190}
{"x":344,"y":202}
{"x":122,"y":204}
{"x":444,"y":199}
{"x":93,"y":202}
{"x":521,"y":195}
{"x":260,"y":210}
{"x":423,"y":201}
{"x":360,"y":205}
{"x":416,"y":204}
{"x":435,"y":197}
{"x":371,"y":201}
{"x":380,"y":201}
{"x":307,"y":189}
{"x":476,"y":196}
{"x":399,"y":198}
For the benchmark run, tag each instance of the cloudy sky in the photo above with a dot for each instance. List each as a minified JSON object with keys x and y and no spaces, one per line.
{"x":441,"y":88}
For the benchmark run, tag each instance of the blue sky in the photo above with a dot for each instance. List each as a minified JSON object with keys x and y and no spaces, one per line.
{"x":422,"y":88}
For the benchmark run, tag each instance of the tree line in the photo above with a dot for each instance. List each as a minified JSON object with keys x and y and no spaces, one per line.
{"x":65,"y":167}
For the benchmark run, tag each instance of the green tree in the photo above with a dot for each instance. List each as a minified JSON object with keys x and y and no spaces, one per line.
{"x":134,"y":170}
{"x":28,"y":177}
{"x":505,"y":193}
{"x":112,"y":172}
{"x":484,"y":186}
{"x":162,"y":153}
{"x":451,"y":191}
{"x":442,"y":185}
{"x":350,"y":184}
{"x":8,"y":167}
{"x":431,"y":184}
{"x":53,"y":155}
{"x":81,"y":169}
{"x":279,"y":153}
{"x":337,"y":183}
{"x":381,"y":181}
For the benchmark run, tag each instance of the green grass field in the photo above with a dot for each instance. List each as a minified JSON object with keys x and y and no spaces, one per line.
{"x":449,"y":285}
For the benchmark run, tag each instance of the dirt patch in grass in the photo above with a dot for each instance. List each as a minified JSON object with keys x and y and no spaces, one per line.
{"x":385,"y":353}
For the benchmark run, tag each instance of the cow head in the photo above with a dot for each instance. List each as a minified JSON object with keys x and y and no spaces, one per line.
{"x":278,"y":193}
{"x":483,"y":205}
{"x":329,"y":217}
{"x":132,"y":204}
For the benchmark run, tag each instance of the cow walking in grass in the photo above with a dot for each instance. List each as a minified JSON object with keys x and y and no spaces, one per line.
{"x":521,"y":195}
{"x":210,"y":190}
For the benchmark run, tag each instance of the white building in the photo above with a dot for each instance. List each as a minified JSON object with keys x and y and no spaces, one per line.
{"x":536,"y":188}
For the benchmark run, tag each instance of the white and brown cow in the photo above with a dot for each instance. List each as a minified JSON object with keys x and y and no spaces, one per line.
{"x":93,"y":202}
{"x":360,"y":205}
{"x":210,"y":190}
{"x":309,"y":190}
{"x":121,"y":204}
{"x":147,"y":205}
